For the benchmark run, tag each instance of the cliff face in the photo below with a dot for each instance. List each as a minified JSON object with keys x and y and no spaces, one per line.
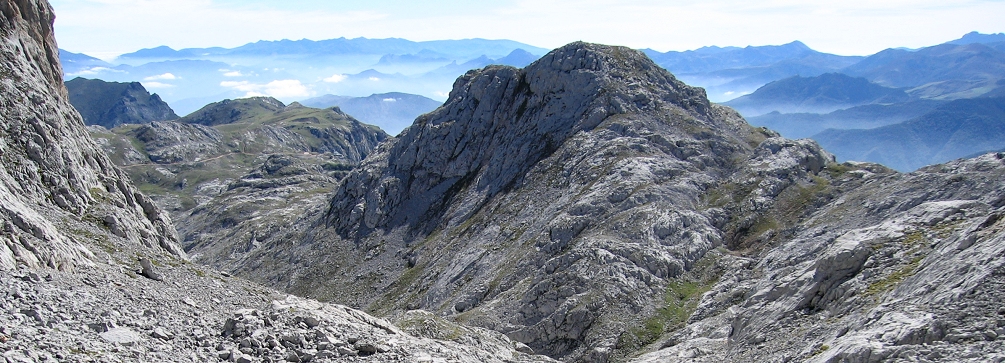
{"x":54,"y":178}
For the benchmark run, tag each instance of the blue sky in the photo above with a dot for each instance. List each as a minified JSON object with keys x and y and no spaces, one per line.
{"x":106,"y":28}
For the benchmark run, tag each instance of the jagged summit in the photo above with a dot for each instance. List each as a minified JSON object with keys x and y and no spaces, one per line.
{"x":499,"y":121}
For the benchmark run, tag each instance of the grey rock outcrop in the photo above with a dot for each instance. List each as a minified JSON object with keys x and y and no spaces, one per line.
{"x":898,"y":267}
{"x":197,"y":315}
{"x":110,"y":104}
{"x":55,"y":181}
{"x":593,"y":208}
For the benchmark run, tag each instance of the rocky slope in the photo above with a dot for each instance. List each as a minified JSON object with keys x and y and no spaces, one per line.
{"x":90,"y":267}
{"x":556,"y":204}
{"x":111,"y":104}
{"x":594,"y":208}
{"x":893,"y":267}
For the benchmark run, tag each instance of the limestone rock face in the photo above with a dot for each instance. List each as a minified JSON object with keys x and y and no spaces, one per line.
{"x":55,"y":180}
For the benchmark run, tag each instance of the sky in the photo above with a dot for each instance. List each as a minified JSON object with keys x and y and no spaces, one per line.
{"x":106,"y":28}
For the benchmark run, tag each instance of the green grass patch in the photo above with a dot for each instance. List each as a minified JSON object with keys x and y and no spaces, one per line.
{"x":914,"y":238}
{"x":680,"y":301}
{"x":838,"y":170}
{"x":889,"y":282}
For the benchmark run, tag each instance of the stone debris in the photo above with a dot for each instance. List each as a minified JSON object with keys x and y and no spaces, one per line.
{"x":64,"y":318}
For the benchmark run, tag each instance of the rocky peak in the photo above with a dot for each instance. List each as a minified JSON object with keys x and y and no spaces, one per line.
{"x":500,"y":121}
{"x":532,"y":198}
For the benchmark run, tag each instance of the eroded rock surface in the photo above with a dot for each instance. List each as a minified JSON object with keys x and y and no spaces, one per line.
{"x":904,"y":267}
{"x":57,"y":187}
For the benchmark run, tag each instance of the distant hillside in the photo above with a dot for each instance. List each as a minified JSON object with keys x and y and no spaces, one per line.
{"x":250,"y":174}
{"x":820,"y":94}
{"x":946,"y":71}
{"x":231,"y":111}
{"x":954,"y":130}
{"x":110,"y":104}
{"x":802,"y":125}
{"x":392,"y":112}
{"x":975,"y":37}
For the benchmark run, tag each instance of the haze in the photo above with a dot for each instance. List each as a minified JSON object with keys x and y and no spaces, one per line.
{"x":106,"y":28}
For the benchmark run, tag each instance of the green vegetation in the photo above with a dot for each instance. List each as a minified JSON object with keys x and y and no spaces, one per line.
{"x":680,"y":301}
{"x":820,"y":350}
{"x":889,"y":282}
{"x":838,"y":170}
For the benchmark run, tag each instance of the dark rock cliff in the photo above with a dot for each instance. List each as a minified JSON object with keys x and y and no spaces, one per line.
{"x":111,"y":104}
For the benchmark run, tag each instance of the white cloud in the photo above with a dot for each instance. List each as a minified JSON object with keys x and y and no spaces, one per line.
{"x":162,"y":77}
{"x":442,"y":94}
{"x":335,"y":78}
{"x":390,"y":100}
{"x":283,"y":89}
{"x":94,"y":71}
{"x":156,"y":85}
{"x":374,"y":79}
{"x":233,"y":74}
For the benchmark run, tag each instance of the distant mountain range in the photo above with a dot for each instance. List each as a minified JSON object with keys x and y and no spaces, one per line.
{"x":791,"y":87}
{"x":894,"y":107}
{"x":954,"y":130}
{"x":801,"y":125}
{"x":820,"y":94}
{"x":296,"y":70}
{"x":448,"y":49}
{"x":946,"y":71}
{"x":730,"y":72}
{"x":392,"y":112}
